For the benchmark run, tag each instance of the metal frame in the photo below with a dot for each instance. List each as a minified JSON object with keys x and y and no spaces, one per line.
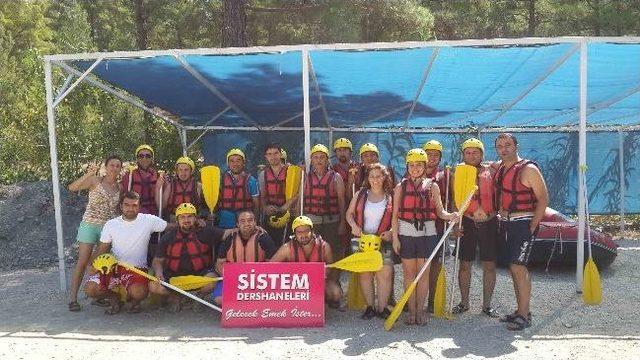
{"x":59,"y":60}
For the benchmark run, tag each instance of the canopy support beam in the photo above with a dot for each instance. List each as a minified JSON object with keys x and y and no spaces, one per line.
{"x":582,"y":163}
{"x":382,"y":116}
{"x":64,"y":86}
{"x":55,"y":177}
{"x":289,"y":119}
{"x":306,"y":119}
{"x":316,"y":87}
{"x":425,"y":76}
{"x":77,"y":82}
{"x":535,"y":84}
{"x":214,"y":118}
{"x":214,"y":90}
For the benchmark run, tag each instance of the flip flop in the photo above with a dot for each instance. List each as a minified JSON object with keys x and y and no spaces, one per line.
{"x":100,"y":302}
{"x":74,"y":306}
{"x":114,"y":307}
{"x":490,"y":312}
{"x":519,"y":323}
{"x":459,"y":309}
{"x":135,"y":309}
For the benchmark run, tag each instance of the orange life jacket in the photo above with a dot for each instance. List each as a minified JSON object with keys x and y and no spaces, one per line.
{"x":183,"y":192}
{"x":416,"y":206}
{"x":275,"y":185}
{"x":188,"y":245}
{"x":511,"y":194}
{"x":320,"y":195}
{"x":385,"y":222}
{"x":484,"y":197}
{"x":240,"y":252}
{"x":235,"y":192}
{"x":317,"y":252}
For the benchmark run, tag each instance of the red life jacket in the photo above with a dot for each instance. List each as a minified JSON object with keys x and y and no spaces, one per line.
{"x":385,"y":222}
{"x":320,"y":195}
{"x":183,"y":192}
{"x":416,"y":206}
{"x":317,"y":252}
{"x":484,"y":197}
{"x":511,"y":194}
{"x":344,"y":173}
{"x":275,"y":185}
{"x":250,"y":252}
{"x":188,"y":244}
{"x":235,"y":192}
{"x":144,"y":183}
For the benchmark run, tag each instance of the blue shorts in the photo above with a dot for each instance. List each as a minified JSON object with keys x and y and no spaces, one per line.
{"x":518,"y":240}
{"x":88,"y":233}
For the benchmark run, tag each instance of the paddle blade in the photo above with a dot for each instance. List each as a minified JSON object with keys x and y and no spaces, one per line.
{"x":591,"y":286}
{"x":367,"y":261}
{"x":440,"y":295}
{"x":355,"y":299}
{"x":463,"y":182}
{"x":397,"y":310}
{"x":210,"y":178}
{"x":191,"y":282}
{"x":292,"y":181}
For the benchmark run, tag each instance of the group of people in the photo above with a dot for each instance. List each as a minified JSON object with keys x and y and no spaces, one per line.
{"x":255,"y":220}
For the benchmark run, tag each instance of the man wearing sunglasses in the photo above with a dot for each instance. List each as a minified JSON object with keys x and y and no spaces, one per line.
{"x":143,"y":180}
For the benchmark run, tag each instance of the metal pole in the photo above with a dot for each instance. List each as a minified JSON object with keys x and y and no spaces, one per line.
{"x":582,"y":162}
{"x":183,"y":140}
{"x":55,"y":178}
{"x":306,"y":112}
{"x":622,"y":182}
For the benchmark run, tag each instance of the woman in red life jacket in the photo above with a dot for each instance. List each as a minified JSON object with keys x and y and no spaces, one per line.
{"x":416,"y":206}
{"x":183,"y":187}
{"x":370,"y":212}
{"x":308,"y":246}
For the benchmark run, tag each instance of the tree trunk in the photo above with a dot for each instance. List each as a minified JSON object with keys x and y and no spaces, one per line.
{"x":234,"y":23}
{"x":141,"y":24}
{"x":531,"y":11}
{"x":596,"y":18}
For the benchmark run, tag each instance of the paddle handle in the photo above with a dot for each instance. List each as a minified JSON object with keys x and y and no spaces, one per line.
{"x":131,"y":168}
{"x":301,"y":191}
{"x":174,"y":288}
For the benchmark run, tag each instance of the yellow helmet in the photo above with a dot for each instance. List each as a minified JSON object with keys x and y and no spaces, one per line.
{"x":185,"y":208}
{"x":432,"y":145}
{"x":300,"y":221}
{"x":187,"y":161}
{"x":283,"y":155}
{"x":473,"y":143}
{"x":236,"y":151}
{"x":343,"y":143}
{"x":319,"y":148}
{"x":369,"y":147}
{"x":144,"y":147}
{"x":369,"y":242}
{"x":416,"y":155}
{"x":279,"y":221}
{"x":105,"y":263}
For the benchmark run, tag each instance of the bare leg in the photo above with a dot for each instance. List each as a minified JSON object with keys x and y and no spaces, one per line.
{"x":84,"y":255}
{"x":366,"y":287}
{"x":516,"y":290}
{"x":410,"y":271}
{"x":422,"y":291}
{"x":136,"y":293}
{"x":383,"y":280}
{"x":488,"y":282}
{"x":464,"y":279}
{"x":522,"y":282}
{"x":332,"y":290}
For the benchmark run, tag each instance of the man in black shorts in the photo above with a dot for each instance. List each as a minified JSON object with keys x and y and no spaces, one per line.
{"x":522,"y":199}
{"x":480,"y":230}
{"x":186,"y":250}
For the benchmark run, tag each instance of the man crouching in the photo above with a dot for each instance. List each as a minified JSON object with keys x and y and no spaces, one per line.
{"x":307,"y":246}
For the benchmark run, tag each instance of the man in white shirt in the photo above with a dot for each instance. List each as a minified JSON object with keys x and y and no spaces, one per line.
{"x":127,"y":236}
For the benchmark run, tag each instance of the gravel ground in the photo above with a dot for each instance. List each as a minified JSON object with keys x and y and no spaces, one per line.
{"x":36,"y":324}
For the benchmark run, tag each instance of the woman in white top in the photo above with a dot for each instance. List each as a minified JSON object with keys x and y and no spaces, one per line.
{"x":370,"y":212}
{"x":104,"y":195}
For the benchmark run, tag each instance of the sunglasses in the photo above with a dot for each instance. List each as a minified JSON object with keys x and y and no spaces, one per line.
{"x":142,"y":156}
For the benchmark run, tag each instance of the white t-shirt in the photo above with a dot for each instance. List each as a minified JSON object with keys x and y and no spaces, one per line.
{"x":130,"y":239}
{"x":373,"y":213}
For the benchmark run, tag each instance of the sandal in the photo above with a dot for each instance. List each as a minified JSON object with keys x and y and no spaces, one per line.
{"x":368,"y":314}
{"x":510,"y":317}
{"x":100,"y":302}
{"x":135,"y":309}
{"x":490,"y":312}
{"x":459,"y":309}
{"x":114,"y":307}
{"x":518,"y":323}
{"x":74,"y":306}
{"x":384,"y":314}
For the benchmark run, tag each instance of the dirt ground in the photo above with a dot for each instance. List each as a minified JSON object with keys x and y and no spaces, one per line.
{"x":35,"y":324}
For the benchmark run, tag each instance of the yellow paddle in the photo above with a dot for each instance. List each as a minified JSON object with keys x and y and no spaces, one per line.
{"x":397,"y":310}
{"x":172,"y":287}
{"x":367,"y":261}
{"x":440,"y":293}
{"x":292,"y":181}
{"x":591,"y":285}
{"x":464,"y":179}
{"x":210,"y":178}
{"x":192,"y":282}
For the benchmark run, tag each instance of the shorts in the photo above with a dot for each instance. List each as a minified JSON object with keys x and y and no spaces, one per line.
{"x":125,"y":278}
{"x":89,"y":233}
{"x":329,"y":233}
{"x":518,"y":240}
{"x":483,"y":235}
{"x":417,"y":247}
